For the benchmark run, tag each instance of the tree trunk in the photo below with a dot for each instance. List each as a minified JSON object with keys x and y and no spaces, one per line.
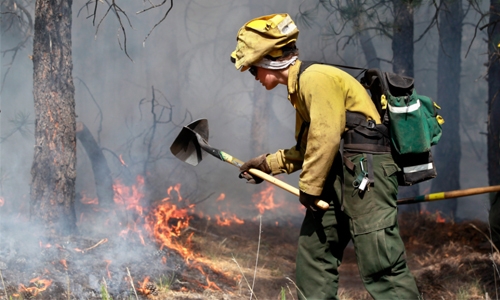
{"x":494,"y":94}
{"x":448,"y":153}
{"x":53,"y":170}
{"x":261,"y":106}
{"x":402,"y":63}
{"x":364,"y":37}
{"x":402,"y":39}
{"x":260,"y":120}
{"x":493,"y":116}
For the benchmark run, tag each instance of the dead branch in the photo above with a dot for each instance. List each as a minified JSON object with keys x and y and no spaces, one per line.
{"x":162,"y":19}
{"x":102,"y":173}
{"x":17,"y":11}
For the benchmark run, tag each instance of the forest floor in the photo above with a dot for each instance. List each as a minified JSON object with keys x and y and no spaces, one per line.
{"x":449,"y":260}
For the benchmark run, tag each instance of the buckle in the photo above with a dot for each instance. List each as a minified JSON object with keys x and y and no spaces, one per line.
{"x":371,"y":124}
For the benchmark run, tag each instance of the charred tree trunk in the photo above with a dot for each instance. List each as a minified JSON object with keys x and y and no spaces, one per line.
{"x":100,"y":168}
{"x":448,"y":153}
{"x":402,"y":39}
{"x":494,"y":116}
{"x":54,"y":161}
{"x":494,"y":94}
{"x":402,"y":63}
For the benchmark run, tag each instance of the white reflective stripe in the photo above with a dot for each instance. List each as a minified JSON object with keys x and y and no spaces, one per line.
{"x":404,"y":109}
{"x":418,"y":168}
{"x":286,"y":26}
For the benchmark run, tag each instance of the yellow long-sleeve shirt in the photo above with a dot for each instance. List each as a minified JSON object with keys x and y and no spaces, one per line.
{"x":321,"y":99}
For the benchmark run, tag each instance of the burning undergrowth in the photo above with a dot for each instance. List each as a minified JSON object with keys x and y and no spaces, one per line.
{"x":170,"y":250}
{"x":139,"y":251}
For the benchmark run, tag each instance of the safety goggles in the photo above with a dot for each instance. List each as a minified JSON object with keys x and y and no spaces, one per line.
{"x":253,"y":71}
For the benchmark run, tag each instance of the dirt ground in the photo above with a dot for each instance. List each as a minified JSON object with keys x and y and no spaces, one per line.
{"x":449,"y":260}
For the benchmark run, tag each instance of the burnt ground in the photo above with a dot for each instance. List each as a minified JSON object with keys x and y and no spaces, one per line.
{"x":449,"y":260}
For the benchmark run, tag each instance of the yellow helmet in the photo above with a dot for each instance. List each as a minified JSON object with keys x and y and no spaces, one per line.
{"x":263,"y":36}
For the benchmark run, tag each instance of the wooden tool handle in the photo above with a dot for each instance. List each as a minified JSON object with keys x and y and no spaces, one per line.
{"x":271,"y":179}
{"x":450,"y":194}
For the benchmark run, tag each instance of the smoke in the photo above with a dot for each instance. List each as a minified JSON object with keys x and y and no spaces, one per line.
{"x":184,"y":67}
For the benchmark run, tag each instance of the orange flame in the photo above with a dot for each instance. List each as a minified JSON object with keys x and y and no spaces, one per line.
{"x":88,"y":200}
{"x":166,"y":224}
{"x":40,"y":285}
{"x":226,"y":218}
{"x":64,"y":263}
{"x":439,"y":219}
{"x":108,"y":262}
{"x":177,"y":189}
{"x":142,"y":287}
{"x":44,"y":246}
{"x":264,"y":200}
{"x":2,"y":201}
{"x":130,"y":197}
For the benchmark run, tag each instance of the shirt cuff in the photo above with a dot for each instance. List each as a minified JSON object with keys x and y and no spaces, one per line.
{"x":272,"y":162}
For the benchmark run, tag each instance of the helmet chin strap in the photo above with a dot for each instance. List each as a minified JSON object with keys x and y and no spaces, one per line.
{"x":274,"y":64}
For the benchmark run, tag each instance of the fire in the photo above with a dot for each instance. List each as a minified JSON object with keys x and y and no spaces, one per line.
{"x":264,"y":200}
{"x":40,"y":285}
{"x":130,"y":197}
{"x":143,"y":286}
{"x":177,"y":189}
{"x":108,"y":262}
{"x":44,"y":246}
{"x":132,"y":227}
{"x":2,"y":201}
{"x":226,"y":218}
{"x":88,"y":200}
{"x":166,"y":224}
{"x":64,"y":263}
{"x":439,"y":219}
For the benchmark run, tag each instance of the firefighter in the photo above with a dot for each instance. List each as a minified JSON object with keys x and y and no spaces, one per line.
{"x":358,"y":181}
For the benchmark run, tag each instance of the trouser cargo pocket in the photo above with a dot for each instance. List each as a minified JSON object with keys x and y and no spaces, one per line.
{"x":377,"y":242}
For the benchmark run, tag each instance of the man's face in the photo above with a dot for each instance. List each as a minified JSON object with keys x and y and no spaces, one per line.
{"x":268,"y":78}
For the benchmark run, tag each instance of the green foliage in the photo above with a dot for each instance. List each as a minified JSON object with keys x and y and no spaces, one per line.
{"x":104,"y":292}
{"x":283,"y":294}
{"x":165,"y":282}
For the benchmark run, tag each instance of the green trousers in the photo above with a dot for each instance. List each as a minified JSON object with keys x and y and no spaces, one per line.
{"x":367,"y":218}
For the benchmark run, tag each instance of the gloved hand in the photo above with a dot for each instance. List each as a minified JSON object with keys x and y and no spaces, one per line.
{"x":258,"y":163}
{"x":308,"y":201}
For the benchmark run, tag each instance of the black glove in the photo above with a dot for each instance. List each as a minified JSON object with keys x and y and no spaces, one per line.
{"x":258,"y":163}
{"x":308,"y":201}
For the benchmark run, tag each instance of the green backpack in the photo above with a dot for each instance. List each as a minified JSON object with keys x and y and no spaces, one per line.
{"x":413,"y":122}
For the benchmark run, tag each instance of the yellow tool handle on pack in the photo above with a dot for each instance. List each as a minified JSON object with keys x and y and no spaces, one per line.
{"x":450,"y":194}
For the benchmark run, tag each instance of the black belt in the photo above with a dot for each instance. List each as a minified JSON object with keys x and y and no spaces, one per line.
{"x":366,"y":141}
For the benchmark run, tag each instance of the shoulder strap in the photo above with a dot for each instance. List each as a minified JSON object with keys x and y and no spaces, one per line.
{"x":306,"y":64}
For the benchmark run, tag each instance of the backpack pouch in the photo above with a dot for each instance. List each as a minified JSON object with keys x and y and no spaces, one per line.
{"x":410,"y":132}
